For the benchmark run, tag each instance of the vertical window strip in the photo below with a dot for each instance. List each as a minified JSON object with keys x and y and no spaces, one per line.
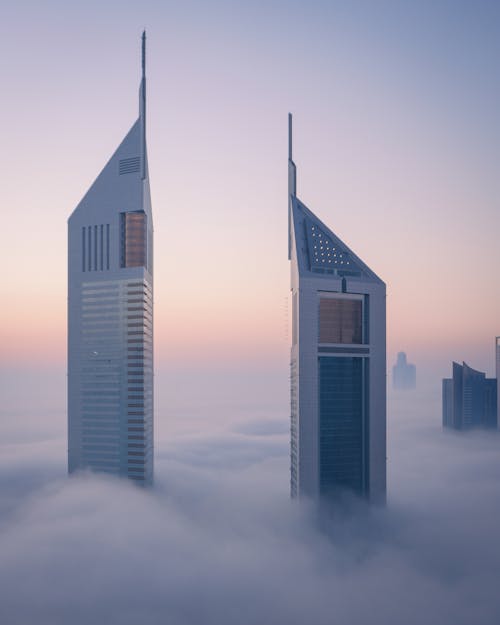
{"x":89,"y":241}
{"x":83,"y":248}
{"x":149,"y":247}
{"x":102,"y":248}
{"x":122,"y":239}
{"x":294,"y":319}
{"x":95,"y":248}
{"x":107,"y":246}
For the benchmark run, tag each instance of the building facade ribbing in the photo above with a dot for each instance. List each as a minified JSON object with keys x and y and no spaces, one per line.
{"x":110,"y":315}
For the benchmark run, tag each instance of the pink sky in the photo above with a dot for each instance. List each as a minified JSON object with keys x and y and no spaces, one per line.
{"x":396,"y":143}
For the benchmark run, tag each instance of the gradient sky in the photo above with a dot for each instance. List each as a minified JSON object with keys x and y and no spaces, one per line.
{"x":396,"y":140}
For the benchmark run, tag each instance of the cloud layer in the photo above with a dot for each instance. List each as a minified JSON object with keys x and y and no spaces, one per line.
{"x":218,"y":541}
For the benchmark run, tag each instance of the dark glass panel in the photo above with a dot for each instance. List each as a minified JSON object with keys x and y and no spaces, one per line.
{"x":343,"y":459}
{"x":340,"y":320}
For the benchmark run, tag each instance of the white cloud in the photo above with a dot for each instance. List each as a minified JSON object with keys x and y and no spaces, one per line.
{"x":217,"y":540}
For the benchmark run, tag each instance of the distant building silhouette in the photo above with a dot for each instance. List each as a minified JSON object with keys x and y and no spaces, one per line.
{"x":469,"y":399}
{"x":338,"y":362}
{"x":404,"y":375}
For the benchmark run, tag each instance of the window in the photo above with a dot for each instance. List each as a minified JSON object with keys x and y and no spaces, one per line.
{"x":133,"y":239}
{"x":343,"y":450}
{"x":340,"y":320}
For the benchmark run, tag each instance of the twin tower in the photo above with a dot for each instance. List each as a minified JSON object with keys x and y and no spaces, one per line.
{"x":338,"y":353}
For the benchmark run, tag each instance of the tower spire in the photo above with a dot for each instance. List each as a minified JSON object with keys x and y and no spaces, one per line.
{"x":143,"y":54}
{"x":292,"y":183}
{"x":292,"y":170}
{"x":142,"y":105}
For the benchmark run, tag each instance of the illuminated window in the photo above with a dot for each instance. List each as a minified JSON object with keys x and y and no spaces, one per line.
{"x":133,"y":239}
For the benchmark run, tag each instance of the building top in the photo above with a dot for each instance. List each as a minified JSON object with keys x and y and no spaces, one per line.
{"x":318,"y":250}
{"x":321,"y":252}
{"x":127,"y":168}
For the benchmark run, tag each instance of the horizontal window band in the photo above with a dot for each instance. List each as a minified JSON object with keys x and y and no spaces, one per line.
{"x":145,"y":305}
{"x":95,"y":287}
{"x":146,"y":297}
{"x":102,"y":454}
{"x":97,"y":429}
{"x":344,"y":350}
{"x":107,"y":388}
{"x":95,"y":440}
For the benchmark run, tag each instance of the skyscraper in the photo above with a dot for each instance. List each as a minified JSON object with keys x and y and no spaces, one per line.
{"x":110,"y":315}
{"x":338,"y":362}
{"x":469,"y":399}
{"x":404,"y":375}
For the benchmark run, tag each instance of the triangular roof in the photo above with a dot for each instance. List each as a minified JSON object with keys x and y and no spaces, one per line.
{"x":123,"y":181}
{"x":317,"y":249}
{"x":320,"y":251}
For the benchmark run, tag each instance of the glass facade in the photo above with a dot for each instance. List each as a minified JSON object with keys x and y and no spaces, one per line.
{"x":472,"y":397}
{"x":100,"y":372}
{"x":133,"y":243}
{"x":340,"y":320}
{"x":343,"y":462}
{"x":139,"y":408}
{"x":490,"y":403}
{"x":116,"y":378}
{"x":447,"y":389}
{"x":469,"y":399}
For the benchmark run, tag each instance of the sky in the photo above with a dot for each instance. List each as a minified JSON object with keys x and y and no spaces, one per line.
{"x":396,"y":141}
